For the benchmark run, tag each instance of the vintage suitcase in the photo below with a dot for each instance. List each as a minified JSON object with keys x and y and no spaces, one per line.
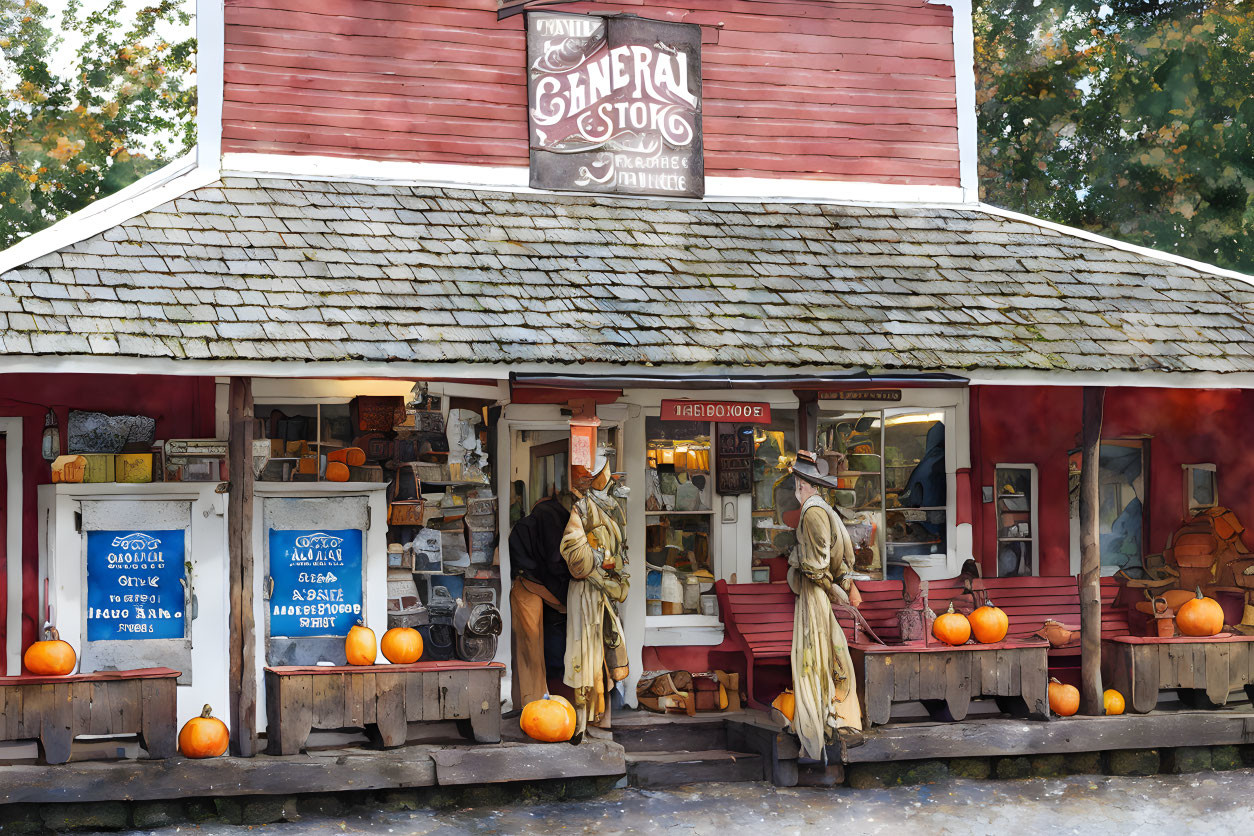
{"x":133,"y":467}
{"x":405,"y":503}
{"x":378,"y":413}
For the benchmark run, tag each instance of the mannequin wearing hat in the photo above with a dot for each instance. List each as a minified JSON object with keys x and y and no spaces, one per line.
{"x":595,"y":549}
{"x":819,"y":573}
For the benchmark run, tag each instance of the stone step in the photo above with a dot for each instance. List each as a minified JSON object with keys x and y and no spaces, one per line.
{"x":669,"y":769}
{"x":689,"y":735}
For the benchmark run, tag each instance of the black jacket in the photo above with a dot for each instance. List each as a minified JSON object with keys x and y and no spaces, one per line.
{"x":534,"y":547}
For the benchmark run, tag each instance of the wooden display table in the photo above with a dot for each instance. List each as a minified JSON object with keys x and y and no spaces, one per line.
{"x":1203,"y":669}
{"x":381,"y":699}
{"x":945,"y":679}
{"x":56,"y":709}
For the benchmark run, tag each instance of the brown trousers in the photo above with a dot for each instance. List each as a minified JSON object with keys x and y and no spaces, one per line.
{"x":527,"y":600}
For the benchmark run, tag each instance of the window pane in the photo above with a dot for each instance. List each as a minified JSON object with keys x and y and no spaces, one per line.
{"x":678,"y":465}
{"x":679,"y":566}
{"x":850,"y":444}
{"x":775,"y":507}
{"x":1014,"y":502}
{"x":1014,"y":558}
{"x":1203,"y":487}
{"x":914,"y":460}
{"x":913,"y":531}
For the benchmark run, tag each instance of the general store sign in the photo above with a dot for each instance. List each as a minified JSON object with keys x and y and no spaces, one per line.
{"x":316,"y":582}
{"x":614,"y":104}
{"x":135,"y":585}
{"x":861,"y":395}
{"x":731,"y":411}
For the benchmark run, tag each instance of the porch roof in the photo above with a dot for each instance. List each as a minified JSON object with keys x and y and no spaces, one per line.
{"x":247,"y":269}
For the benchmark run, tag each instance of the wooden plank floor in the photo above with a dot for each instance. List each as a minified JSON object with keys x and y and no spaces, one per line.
{"x":1004,"y":736}
{"x":330,"y":770}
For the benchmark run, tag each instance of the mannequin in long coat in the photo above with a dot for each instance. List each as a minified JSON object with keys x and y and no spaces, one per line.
{"x":819,"y":573}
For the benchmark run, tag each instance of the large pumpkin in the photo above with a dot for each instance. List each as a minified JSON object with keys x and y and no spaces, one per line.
{"x":1200,"y":616}
{"x":1064,"y":700}
{"x":50,"y":657}
{"x":359,"y":645}
{"x":204,"y":737}
{"x":952,"y":627}
{"x":549,"y":720}
{"x":1112,"y":701}
{"x":401,"y":645}
{"x":786,"y":704}
{"x":989,"y":624}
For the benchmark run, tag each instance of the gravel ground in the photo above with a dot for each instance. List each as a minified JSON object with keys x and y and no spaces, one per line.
{"x":1204,"y":803}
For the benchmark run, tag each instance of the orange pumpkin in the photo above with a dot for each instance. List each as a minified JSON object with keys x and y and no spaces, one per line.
{"x":786,"y":704}
{"x":402,"y":645}
{"x":989,"y":623}
{"x":204,"y":737}
{"x":359,"y":645}
{"x":570,"y":710}
{"x":952,"y":627}
{"x":1112,"y":701}
{"x":50,"y":657}
{"x":548,"y":720}
{"x":1064,"y":700}
{"x":1200,"y":616}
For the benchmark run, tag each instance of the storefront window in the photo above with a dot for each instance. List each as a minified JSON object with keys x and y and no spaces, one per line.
{"x":891,"y":479}
{"x":1015,"y":490}
{"x":775,"y":506}
{"x":678,"y":510}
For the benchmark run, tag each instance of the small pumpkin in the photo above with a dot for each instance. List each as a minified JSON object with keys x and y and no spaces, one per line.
{"x":204,"y":737}
{"x":401,"y":645}
{"x":50,"y":657}
{"x":1064,"y":700}
{"x":786,"y":704}
{"x":1200,"y":616}
{"x":989,"y":623}
{"x":359,"y":645}
{"x":952,"y":627}
{"x":1112,"y":701}
{"x":549,"y":719}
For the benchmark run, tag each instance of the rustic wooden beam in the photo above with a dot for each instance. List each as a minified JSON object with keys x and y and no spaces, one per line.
{"x":243,"y":675}
{"x":1090,"y":555}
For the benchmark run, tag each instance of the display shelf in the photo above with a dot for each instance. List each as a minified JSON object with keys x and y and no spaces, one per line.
{"x":678,"y":513}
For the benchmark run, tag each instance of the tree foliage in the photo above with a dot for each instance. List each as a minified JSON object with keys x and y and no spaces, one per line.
{"x":123,"y":106}
{"x":1130,"y":117}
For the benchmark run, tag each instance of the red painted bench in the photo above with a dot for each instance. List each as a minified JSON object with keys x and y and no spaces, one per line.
{"x":56,"y":709}
{"x":759,"y":618}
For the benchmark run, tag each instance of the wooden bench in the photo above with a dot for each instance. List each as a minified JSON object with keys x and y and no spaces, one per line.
{"x":382,"y":699}
{"x":56,"y":709}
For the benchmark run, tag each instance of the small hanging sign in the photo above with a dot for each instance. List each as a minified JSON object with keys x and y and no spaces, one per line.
{"x":135,"y":585}
{"x":749,"y":413}
{"x":861,"y":395}
{"x":734,"y":459}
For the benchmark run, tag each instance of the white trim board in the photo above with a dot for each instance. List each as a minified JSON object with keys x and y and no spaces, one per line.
{"x":11,"y":428}
{"x":173,"y":180}
{"x":87,"y":364}
{"x":210,"y":71}
{"x":515,"y":179}
{"x":964,"y":87}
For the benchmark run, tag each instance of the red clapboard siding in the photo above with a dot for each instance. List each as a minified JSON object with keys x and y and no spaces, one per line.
{"x":818,"y":89}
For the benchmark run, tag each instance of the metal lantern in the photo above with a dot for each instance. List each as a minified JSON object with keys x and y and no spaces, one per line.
{"x":52,"y":437}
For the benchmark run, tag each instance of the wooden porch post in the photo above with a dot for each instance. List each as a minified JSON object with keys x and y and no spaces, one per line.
{"x":1090,"y":556}
{"x":243,"y":676}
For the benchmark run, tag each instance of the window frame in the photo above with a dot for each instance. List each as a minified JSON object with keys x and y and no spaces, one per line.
{"x":1192,"y":508}
{"x":1033,"y":515}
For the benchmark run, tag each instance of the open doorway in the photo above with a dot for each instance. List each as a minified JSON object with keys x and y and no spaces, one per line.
{"x":542,"y":493}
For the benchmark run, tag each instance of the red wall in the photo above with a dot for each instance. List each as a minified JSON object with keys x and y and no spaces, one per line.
{"x":183,"y":407}
{"x":826,"y":89}
{"x":1039,"y":425}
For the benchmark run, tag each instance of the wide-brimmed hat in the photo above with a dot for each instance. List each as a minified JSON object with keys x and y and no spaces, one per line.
{"x":812,"y":469}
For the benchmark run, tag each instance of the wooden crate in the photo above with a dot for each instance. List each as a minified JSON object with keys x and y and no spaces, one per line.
{"x":382,"y":699}
{"x":56,"y":709}
{"x":1140,"y":666}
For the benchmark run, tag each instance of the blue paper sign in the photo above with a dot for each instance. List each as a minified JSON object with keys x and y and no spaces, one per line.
{"x":317,"y":582}
{"x":135,"y":585}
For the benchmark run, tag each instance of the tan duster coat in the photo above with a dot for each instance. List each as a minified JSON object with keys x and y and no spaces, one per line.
{"x":595,"y":532}
{"x":822,"y":672}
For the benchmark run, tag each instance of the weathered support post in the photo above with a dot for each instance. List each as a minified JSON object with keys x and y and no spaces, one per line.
{"x":1090,"y":555}
{"x":243,"y":675}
